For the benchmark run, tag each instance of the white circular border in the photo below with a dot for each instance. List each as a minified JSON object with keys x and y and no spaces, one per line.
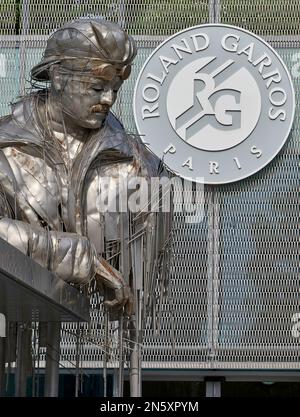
{"x":249,"y":33}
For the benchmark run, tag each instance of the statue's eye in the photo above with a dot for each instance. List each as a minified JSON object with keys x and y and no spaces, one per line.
{"x":98,"y":89}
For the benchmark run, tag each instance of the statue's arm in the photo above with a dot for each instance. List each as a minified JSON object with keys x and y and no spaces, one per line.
{"x":72,"y":257}
{"x":69,"y":255}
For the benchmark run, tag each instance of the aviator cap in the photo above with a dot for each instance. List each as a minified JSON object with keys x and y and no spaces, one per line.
{"x":93,"y":46}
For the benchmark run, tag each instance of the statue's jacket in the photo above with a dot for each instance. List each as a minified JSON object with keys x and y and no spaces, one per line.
{"x":52,"y":213}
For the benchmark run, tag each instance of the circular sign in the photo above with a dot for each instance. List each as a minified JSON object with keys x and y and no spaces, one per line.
{"x":215,"y":102}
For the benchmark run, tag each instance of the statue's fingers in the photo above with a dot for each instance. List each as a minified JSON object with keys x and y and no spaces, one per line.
{"x":113,"y":304}
{"x":120,"y":295}
{"x":129,"y":301}
{"x":119,"y":301}
{"x":129,"y":307}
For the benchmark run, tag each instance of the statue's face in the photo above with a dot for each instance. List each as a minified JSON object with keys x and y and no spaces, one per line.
{"x":86,"y":101}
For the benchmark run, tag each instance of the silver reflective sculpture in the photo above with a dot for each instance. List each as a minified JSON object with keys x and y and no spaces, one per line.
{"x":57,"y":145}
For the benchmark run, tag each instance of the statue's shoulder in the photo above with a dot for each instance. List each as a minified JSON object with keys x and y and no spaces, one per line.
{"x":114,"y":123}
{"x":132,"y":144}
{"x":19,"y":127}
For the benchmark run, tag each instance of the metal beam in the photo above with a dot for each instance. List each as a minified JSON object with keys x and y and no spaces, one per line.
{"x":31,"y":293}
{"x":143,"y":41}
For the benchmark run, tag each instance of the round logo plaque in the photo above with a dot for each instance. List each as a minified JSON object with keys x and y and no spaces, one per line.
{"x":215,"y":102}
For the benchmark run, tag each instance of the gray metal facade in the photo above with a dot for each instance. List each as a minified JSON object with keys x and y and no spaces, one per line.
{"x":235,"y":276}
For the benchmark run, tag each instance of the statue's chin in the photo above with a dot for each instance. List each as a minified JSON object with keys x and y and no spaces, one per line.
{"x":86,"y":120}
{"x":93,"y":122}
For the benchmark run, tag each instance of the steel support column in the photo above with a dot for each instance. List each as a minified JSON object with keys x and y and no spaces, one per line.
{"x":2,"y":366}
{"x":52,"y":359}
{"x":214,"y":11}
{"x":24,"y":360}
{"x":213,"y":389}
{"x":22,"y":49}
{"x":134,"y":373}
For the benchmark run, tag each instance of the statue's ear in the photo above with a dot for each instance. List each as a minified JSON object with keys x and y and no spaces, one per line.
{"x":55,"y":77}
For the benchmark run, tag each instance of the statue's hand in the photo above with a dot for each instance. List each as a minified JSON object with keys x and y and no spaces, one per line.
{"x":111,"y":278}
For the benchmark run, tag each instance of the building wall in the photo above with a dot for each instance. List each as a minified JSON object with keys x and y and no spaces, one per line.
{"x":234,"y":283}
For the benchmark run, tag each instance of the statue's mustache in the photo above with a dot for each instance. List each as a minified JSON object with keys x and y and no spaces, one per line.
{"x":100,"y":108}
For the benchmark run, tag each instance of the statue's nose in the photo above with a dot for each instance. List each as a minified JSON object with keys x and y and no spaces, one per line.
{"x":107,"y":97}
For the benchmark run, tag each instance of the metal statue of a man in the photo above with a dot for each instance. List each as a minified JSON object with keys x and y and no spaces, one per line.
{"x":56,"y":145}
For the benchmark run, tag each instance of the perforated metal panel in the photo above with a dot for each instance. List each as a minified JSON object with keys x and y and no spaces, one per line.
{"x":140,"y":17}
{"x":7,"y":17}
{"x":235,"y":275}
{"x":258,"y":260}
{"x":8,"y":55}
{"x":263,"y":17}
{"x":257,"y":246}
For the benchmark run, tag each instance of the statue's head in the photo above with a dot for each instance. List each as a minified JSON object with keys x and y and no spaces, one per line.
{"x":86,"y":62}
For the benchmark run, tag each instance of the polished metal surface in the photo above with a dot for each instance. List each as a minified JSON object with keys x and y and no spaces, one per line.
{"x":31,"y":293}
{"x":55,"y":148}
